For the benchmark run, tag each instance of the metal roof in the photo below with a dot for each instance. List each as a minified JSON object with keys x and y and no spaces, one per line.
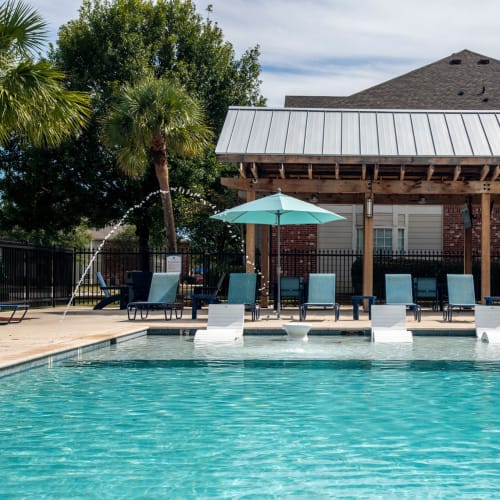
{"x":359,"y":133}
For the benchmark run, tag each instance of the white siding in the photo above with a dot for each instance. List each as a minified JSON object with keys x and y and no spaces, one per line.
{"x":423,"y":225}
{"x":336,"y":235}
{"x":425,"y":228}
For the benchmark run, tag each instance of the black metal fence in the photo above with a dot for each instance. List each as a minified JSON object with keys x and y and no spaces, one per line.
{"x":35,"y":275}
{"x":49,"y":276}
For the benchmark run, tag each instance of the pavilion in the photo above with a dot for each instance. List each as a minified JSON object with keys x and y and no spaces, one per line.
{"x":368,"y":156}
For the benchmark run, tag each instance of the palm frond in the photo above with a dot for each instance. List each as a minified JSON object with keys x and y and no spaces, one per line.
{"x":22,"y":29}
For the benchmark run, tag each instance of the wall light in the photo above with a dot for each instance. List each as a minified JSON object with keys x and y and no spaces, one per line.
{"x":369,"y":207}
{"x":313,"y":199}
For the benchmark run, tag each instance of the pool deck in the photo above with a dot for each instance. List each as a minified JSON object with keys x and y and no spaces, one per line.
{"x":46,"y":335}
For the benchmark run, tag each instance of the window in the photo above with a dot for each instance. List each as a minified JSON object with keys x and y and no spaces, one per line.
{"x":383,"y":240}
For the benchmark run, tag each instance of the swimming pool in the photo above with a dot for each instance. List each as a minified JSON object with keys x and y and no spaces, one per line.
{"x":337,"y":417}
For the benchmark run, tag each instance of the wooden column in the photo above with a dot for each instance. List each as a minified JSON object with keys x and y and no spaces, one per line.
{"x":468,"y":250}
{"x":250,"y":240}
{"x":367,"y":248}
{"x":265,"y":265}
{"x":485,"y":246}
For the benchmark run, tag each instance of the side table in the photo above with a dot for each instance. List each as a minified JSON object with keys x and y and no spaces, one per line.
{"x":356,"y":299}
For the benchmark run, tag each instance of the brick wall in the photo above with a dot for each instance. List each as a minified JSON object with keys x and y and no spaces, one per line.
{"x":300,"y":238}
{"x":453,"y":229}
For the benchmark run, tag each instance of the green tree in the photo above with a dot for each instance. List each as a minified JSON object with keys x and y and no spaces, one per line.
{"x":111,"y":44}
{"x":34,"y":101}
{"x":151,"y":120}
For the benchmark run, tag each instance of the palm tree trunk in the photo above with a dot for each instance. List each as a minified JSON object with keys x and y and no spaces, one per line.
{"x":159,"y":152}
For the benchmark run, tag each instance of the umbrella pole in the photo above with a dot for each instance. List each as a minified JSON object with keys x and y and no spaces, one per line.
{"x":278,"y":269}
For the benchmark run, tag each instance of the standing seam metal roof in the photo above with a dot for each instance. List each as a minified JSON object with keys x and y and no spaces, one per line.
{"x":336,"y":132}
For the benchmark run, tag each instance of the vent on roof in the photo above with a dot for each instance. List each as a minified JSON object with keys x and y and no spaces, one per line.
{"x":460,"y":92}
{"x":456,"y":61}
{"x":483,"y":61}
{"x":486,"y":99}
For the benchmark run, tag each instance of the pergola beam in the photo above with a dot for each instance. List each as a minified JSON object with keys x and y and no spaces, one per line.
{"x":484,"y":172}
{"x":253,"y":169}
{"x":495,"y":174}
{"x":430,"y":172}
{"x":382,"y":187}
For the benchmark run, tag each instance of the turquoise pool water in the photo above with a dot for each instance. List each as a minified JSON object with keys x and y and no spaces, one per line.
{"x":158,"y":418}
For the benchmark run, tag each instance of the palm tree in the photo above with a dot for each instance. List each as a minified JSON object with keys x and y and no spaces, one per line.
{"x":34,"y":100}
{"x":148,"y":122}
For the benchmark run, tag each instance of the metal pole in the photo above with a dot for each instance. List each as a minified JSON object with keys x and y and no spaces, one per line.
{"x":278,"y":270}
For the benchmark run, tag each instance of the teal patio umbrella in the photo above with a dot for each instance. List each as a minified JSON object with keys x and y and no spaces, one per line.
{"x":277,"y":209}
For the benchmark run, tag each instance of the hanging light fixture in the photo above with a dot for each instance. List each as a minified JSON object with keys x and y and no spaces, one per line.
{"x":369,"y":207}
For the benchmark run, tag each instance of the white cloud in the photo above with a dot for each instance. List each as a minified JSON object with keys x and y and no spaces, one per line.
{"x":338,"y":47}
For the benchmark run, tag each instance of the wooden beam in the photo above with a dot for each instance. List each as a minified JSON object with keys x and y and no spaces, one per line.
{"x":243,"y":173}
{"x":485,"y":246}
{"x":337,"y":172}
{"x":484,"y":172}
{"x":254,"y":171}
{"x":363,"y":172}
{"x":402,"y":173}
{"x":310,"y":171}
{"x":468,"y":250}
{"x":265,"y":264}
{"x":381,"y":187}
{"x":250,"y":240}
{"x":430,"y":172}
{"x":495,"y":173}
{"x":282,"y":171}
{"x":456,"y":173}
{"x":367,"y":249}
{"x":359,"y":160}
{"x":375,"y":172}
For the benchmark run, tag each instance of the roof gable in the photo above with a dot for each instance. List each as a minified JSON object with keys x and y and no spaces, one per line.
{"x":464,"y":80}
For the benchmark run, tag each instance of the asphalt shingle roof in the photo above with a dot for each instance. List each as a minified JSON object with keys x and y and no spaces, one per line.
{"x":464,"y":80}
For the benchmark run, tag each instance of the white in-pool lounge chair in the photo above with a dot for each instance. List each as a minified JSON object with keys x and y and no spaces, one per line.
{"x":488,"y":323}
{"x":389,"y":324}
{"x":225,"y":324}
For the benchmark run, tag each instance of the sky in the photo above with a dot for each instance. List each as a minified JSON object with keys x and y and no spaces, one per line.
{"x":336,"y":47}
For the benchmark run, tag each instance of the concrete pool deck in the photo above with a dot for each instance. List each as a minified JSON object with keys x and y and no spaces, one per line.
{"x":46,"y":335}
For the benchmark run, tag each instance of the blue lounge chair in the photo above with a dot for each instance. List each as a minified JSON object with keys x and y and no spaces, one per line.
{"x":291,"y":290}
{"x":206,"y":294}
{"x":399,"y":291}
{"x":162,"y":296}
{"x":12,"y":310}
{"x":427,"y":289}
{"x":320,"y":293}
{"x":109,"y":298}
{"x":461,"y":294}
{"x":243,"y":290}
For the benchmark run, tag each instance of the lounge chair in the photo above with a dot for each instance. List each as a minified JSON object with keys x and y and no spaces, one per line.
{"x":162,"y":296}
{"x":399,"y":291}
{"x":461,"y":294}
{"x":109,"y":298}
{"x":427,"y":289}
{"x":389,"y":324}
{"x":488,"y":323}
{"x":243,"y":290}
{"x":225,"y":323}
{"x":291,"y":289}
{"x":206,"y":294}
{"x":12,"y":310}
{"x":320,"y":293}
